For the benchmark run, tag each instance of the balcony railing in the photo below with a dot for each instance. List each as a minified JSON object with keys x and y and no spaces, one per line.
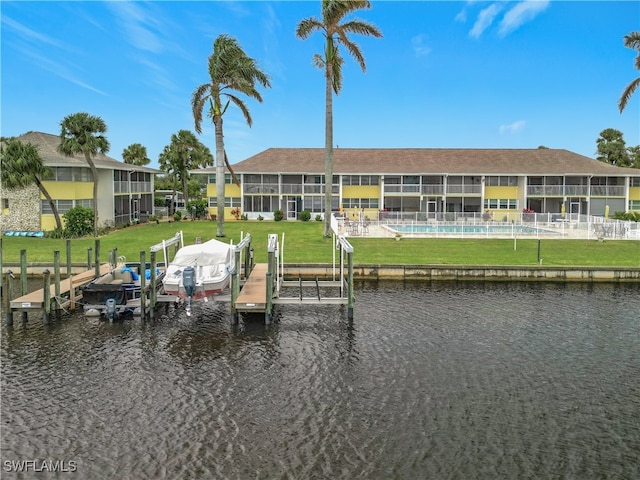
{"x":289,"y":188}
{"x":575,"y":191}
{"x":432,"y":189}
{"x":286,"y":188}
{"x":133,"y":187}
{"x":261,"y":188}
{"x":607,"y":191}
{"x":545,"y":190}
{"x":464,"y":189}
{"x":401,"y":188}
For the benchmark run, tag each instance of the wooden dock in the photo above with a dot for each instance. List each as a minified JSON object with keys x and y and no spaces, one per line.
{"x":68,"y":286}
{"x":253,"y":296}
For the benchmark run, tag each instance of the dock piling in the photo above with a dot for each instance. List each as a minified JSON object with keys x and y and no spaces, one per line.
{"x":235,"y":285}
{"x":143,"y":286}
{"x":269,"y":299}
{"x":47,"y":296}
{"x":8,"y":280}
{"x":23,"y":278}
{"x":89,"y":252}
{"x":154,"y":293}
{"x":97,"y":260}
{"x":56,"y":279}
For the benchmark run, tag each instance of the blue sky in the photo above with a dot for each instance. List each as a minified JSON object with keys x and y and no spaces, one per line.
{"x":445,"y":75}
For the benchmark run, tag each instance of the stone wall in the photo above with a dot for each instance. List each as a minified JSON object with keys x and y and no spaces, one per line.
{"x":23,"y":213}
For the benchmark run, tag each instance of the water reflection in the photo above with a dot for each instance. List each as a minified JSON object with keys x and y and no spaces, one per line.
{"x":430,"y":380}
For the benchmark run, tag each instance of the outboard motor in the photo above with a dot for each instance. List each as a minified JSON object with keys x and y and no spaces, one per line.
{"x":189,"y":284}
{"x":111,"y":309}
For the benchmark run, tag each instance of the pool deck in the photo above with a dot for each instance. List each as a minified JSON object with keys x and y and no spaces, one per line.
{"x":558,"y":230}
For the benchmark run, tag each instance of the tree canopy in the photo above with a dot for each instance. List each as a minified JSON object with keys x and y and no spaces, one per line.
{"x":21,"y":166}
{"x":184,"y":153}
{"x":136,"y":154}
{"x":230,"y":71}
{"x":81,"y":133}
{"x":612,"y":149}
{"x":631,"y":41}
{"x":335,"y":29}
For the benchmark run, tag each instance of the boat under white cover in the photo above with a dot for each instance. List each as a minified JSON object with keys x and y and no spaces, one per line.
{"x":211,"y":262}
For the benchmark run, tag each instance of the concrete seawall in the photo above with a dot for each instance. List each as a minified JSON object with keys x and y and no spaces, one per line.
{"x":472,"y":272}
{"x":429,"y":272}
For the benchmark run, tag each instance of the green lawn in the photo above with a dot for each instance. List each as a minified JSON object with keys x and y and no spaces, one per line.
{"x":303,"y":243}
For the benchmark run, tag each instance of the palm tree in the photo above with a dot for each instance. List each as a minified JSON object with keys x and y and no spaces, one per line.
{"x":136,"y":154}
{"x":169,"y":165}
{"x":230,"y":69}
{"x":83,"y":133}
{"x":611,"y":148}
{"x":335,"y":33}
{"x":184,"y":153}
{"x":22,"y":166}
{"x":631,"y":41}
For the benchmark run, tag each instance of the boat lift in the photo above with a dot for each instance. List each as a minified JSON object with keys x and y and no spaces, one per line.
{"x":265,"y":281}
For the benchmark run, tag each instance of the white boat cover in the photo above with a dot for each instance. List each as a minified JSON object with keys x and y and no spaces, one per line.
{"x":211,"y":252}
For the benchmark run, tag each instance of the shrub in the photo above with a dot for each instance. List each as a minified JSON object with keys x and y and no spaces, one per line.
{"x":278,"y":215}
{"x":55,"y":233}
{"x":260,"y":218}
{"x":244,"y":217}
{"x":305,"y":215}
{"x":236,"y":213}
{"x":78,"y":221}
{"x":177,"y":216}
{"x":631,"y":216}
{"x":200,"y":207}
{"x":318,"y":218}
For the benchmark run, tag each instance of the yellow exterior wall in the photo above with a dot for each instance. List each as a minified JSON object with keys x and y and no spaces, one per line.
{"x":48,"y":222}
{"x":230,"y":190}
{"x":69,"y":190}
{"x":227,"y":212}
{"x":361,"y":191}
{"x":499,"y":215}
{"x":634,"y":193}
{"x":505,"y":193}
{"x":354,"y":213}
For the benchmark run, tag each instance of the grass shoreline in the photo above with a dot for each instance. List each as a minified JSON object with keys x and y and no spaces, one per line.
{"x":304,"y":244}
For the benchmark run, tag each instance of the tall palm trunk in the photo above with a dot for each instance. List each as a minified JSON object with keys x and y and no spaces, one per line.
{"x":185,"y":190}
{"x":328,"y":149}
{"x":217,"y":121}
{"x":94,"y":174}
{"x":54,"y":209}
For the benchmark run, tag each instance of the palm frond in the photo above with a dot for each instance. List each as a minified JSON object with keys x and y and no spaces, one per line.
{"x":235,"y":178}
{"x":307,"y":26}
{"x":243,"y":108}
{"x":198,"y":99}
{"x":628,"y":92}
{"x":632,"y":40}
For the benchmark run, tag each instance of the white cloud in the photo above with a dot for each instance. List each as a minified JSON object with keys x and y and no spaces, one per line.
{"x":485,"y":19}
{"x":138,"y":25}
{"x":520,"y":14}
{"x":419,"y":48}
{"x":512,"y":128}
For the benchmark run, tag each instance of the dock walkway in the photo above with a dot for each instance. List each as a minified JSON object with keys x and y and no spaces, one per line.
{"x":35,"y":299}
{"x":253,"y":296}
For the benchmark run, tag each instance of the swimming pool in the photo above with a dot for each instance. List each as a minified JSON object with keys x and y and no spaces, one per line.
{"x":469,"y":229}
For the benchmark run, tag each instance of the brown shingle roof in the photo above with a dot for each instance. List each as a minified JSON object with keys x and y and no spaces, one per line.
{"x":48,"y":149}
{"x":429,"y":161}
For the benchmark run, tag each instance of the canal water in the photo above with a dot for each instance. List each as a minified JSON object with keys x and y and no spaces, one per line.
{"x":439,"y":380}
